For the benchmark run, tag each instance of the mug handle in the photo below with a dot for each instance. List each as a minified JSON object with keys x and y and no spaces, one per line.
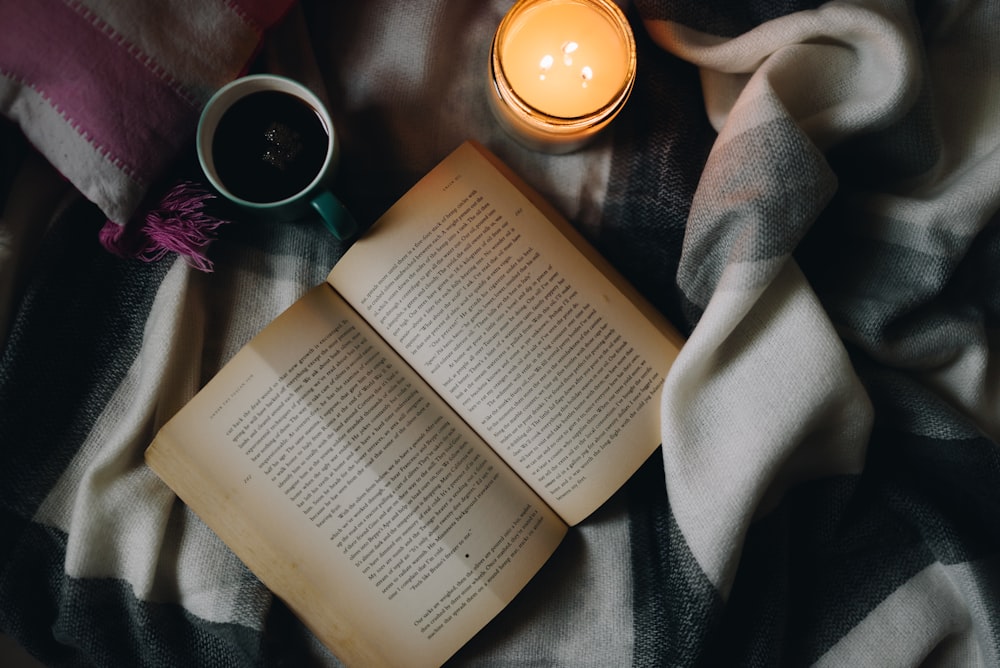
{"x":337,"y":219}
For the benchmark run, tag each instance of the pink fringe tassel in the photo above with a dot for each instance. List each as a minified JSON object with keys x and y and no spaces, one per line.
{"x":178,"y":224}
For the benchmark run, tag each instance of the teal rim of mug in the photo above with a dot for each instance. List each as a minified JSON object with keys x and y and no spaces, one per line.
{"x":285,"y":85}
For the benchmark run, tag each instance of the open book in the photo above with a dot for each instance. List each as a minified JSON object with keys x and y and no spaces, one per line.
{"x":400,"y":451}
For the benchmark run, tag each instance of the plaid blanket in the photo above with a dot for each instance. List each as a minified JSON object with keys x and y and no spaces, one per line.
{"x":809,"y":191}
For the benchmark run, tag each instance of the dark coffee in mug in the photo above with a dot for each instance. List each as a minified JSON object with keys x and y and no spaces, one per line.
{"x":269,"y":146}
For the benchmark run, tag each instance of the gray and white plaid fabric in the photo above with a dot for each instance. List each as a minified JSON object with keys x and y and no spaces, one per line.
{"x":809,"y":191}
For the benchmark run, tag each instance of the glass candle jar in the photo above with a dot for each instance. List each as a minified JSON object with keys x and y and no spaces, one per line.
{"x":560,"y":71}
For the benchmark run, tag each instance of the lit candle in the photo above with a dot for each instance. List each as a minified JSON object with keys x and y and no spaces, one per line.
{"x":560,"y":71}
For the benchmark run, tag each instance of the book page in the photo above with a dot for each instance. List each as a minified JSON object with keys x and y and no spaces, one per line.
{"x":353,"y":491}
{"x":558,"y":369}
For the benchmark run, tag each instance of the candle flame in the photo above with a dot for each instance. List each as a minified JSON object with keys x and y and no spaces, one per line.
{"x":567,"y":49}
{"x":548,"y":60}
{"x":545,"y":64}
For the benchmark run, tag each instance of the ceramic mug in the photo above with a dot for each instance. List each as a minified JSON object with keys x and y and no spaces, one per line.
{"x":268,"y":144}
